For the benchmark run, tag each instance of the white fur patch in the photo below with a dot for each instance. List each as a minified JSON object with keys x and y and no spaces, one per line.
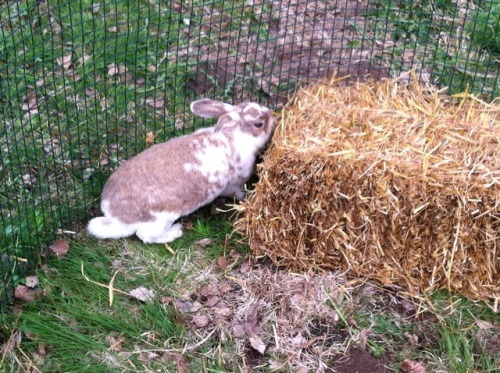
{"x":109,"y":227}
{"x":213,"y":160}
{"x":228,"y":107}
{"x":234,"y":116}
{"x":105,"y":227}
{"x":253,"y":105}
{"x":161,"y":230}
{"x":207,"y":129}
{"x":247,"y":146}
{"x":105,"y":208}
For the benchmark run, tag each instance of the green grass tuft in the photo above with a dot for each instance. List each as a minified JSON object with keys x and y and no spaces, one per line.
{"x":74,"y":317}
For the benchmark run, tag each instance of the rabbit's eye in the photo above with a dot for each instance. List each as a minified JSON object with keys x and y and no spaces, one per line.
{"x":258,"y":124}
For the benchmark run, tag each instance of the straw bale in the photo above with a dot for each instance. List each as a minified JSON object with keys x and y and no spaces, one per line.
{"x":394,"y":182}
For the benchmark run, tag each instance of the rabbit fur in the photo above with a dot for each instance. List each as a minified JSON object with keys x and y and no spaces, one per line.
{"x":149,"y":192}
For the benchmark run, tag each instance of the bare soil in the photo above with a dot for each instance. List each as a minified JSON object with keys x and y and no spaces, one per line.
{"x":359,"y":361}
{"x":304,"y":41}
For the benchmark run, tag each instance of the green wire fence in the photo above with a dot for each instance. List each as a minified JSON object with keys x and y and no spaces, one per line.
{"x":87,"y":83}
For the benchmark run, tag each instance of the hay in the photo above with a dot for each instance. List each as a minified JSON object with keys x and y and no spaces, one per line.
{"x":390,"y":181}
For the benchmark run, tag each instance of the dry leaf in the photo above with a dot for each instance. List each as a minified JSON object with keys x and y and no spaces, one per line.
{"x":72,"y":74}
{"x":212,"y":301}
{"x":65,"y":61}
{"x":257,"y":344}
{"x":147,"y":356}
{"x":412,"y":338}
{"x":182,"y":365}
{"x":28,"y":179}
{"x":298,"y":341}
{"x":222,"y":261}
{"x":126,"y":78}
{"x":90,"y":92}
{"x":83,"y":59}
{"x":296,"y":299}
{"x":196,"y":306}
{"x":238,"y":330}
{"x":24,"y":293}
{"x":115,"y":344}
{"x":104,"y":103}
{"x":183,"y":305}
{"x":363,"y":339}
{"x":112,"y":69}
{"x":95,"y":8}
{"x":152,"y":68}
{"x":302,"y":369}
{"x":408,"y":55}
{"x":31,"y":281}
{"x":103,"y":160}
{"x":122,"y":69}
{"x":484,"y":324}
{"x":30,"y":102}
{"x":200,"y":321}
{"x":143,"y":294}
{"x":410,"y":366}
{"x":31,"y":336}
{"x":41,"y":351}
{"x":234,"y":254}
{"x":252,"y":328}
{"x":156,"y":103}
{"x":60,"y":247}
{"x":176,"y":6}
{"x":165,"y":300}
{"x":112,"y":29}
{"x":275,"y":365}
{"x":225,"y":288}
{"x":224,"y":312}
{"x":13,"y":342}
{"x":150,"y":139}
{"x":139,"y":82}
{"x":208,"y":290}
{"x":179,"y":360}
{"x":245,"y":267}
{"x":203,"y":242}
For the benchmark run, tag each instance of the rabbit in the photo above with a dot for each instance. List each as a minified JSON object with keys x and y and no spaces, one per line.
{"x":149,"y":192}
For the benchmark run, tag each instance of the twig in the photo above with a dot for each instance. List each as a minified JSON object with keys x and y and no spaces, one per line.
{"x":102,"y":285}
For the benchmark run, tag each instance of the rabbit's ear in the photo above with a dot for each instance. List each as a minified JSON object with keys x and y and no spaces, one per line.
{"x":207,"y":108}
{"x":227,"y":121}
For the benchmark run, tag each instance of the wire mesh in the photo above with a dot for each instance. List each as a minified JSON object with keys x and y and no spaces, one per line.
{"x":87,"y":83}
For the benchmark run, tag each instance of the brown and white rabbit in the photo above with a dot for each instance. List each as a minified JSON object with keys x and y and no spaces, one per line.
{"x":148,"y":193}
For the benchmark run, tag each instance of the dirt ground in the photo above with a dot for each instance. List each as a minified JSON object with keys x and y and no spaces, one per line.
{"x":304,"y":41}
{"x":359,"y":361}
{"x":279,"y":319}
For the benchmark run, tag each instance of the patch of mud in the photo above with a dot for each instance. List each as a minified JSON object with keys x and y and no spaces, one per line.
{"x":283,"y":43}
{"x":358,"y":361}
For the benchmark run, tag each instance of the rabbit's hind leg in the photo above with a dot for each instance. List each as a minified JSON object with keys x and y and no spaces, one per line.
{"x":162,"y":230}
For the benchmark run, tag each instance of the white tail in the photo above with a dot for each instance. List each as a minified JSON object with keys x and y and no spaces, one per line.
{"x":105,"y":227}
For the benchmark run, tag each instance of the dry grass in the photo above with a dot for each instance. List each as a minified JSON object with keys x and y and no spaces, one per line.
{"x":288,"y":316}
{"x":391,"y":181}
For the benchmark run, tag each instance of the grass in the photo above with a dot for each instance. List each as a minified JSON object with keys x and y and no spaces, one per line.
{"x":72,"y":326}
{"x":451,"y":44}
{"x":75,"y":321}
{"x":83,"y":87}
